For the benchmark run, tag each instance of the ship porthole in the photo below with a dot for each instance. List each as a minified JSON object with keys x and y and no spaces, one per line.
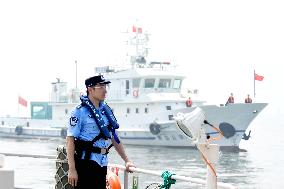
{"x":155,"y":128}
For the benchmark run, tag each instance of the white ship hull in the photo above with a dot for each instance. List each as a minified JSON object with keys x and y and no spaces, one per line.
{"x":238,"y":115}
{"x":138,"y":132}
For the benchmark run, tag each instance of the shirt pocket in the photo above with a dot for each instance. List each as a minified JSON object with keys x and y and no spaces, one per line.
{"x":91,"y":127}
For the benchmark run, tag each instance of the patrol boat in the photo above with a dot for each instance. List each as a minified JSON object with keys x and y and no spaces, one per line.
{"x":145,"y":96}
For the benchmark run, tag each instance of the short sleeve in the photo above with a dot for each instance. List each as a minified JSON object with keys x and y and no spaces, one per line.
{"x":74,"y":123}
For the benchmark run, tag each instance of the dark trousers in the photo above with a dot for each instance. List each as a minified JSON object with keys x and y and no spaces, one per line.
{"x":90,"y":174}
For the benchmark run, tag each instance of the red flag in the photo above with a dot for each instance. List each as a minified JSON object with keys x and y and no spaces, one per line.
{"x":22,"y":101}
{"x":135,"y":29}
{"x":258,"y":77}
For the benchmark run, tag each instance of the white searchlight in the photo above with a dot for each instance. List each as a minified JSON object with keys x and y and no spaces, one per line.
{"x":191,"y":125}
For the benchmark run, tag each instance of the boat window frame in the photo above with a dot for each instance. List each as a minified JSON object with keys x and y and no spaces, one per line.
{"x":136,"y":82}
{"x":127,"y":87}
{"x":166,"y":81}
{"x":152,"y":83}
{"x":174,"y":83}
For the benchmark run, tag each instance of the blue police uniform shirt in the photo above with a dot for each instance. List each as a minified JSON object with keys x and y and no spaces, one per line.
{"x":83,"y":126}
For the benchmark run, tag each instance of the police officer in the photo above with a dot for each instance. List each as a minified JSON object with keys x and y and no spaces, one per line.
{"x":90,"y":134}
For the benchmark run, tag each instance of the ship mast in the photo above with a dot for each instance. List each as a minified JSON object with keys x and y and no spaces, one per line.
{"x":139,"y":40}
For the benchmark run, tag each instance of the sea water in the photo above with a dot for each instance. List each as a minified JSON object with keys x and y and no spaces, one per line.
{"x":261,"y":166}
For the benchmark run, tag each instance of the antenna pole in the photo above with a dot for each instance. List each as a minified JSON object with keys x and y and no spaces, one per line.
{"x":76,"y":72}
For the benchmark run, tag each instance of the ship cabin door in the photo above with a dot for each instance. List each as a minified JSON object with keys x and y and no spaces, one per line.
{"x":127,"y":89}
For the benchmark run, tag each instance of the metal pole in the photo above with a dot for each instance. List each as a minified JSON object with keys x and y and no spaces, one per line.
{"x":254,"y":83}
{"x":125,"y":180}
{"x":211,"y":153}
{"x":76,"y":72}
{"x":177,"y":177}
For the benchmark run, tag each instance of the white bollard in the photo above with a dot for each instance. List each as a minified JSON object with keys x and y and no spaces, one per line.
{"x":211,"y":153}
{"x":2,"y":160}
{"x":6,"y":175}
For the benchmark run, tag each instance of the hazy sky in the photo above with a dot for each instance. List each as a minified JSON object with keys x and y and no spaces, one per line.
{"x":217,"y":43}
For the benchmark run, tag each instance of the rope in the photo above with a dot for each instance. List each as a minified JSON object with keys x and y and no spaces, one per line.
{"x":155,"y":185}
{"x":207,"y":162}
{"x":168,"y":181}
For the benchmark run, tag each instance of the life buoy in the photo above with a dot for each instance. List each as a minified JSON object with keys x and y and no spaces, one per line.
{"x":188,"y":103}
{"x":112,"y":181}
{"x":19,"y":130}
{"x":155,"y":128}
{"x":63,"y":132}
{"x":135,"y":93}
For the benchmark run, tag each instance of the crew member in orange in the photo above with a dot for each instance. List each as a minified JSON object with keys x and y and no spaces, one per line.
{"x":248,"y":99}
{"x":230,"y":99}
{"x":189,"y":102}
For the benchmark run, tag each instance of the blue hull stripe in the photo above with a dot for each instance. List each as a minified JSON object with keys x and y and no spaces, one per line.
{"x":240,"y":131}
{"x":153,"y":138}
{"x":139,"y":138}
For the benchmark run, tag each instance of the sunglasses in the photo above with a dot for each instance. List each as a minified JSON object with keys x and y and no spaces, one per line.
{"x":101,"y":86}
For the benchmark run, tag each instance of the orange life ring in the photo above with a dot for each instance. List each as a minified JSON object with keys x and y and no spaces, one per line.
{"x":135,"y":93}
{"x":112,"y":181}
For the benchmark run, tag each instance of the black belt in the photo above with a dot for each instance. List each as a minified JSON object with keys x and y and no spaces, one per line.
{"x":98,"y":150}
{"x":87,"y":147}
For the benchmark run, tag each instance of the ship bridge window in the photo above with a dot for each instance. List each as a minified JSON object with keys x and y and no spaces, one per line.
{"x":136,"y":83}
{"x":149,"y":83}
{"x":164,"y":83}
{"x":177,"y":84}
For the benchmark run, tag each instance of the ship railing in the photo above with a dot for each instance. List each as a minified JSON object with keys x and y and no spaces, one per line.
{"x":61,"y":161}
{"x":220,"y":185}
